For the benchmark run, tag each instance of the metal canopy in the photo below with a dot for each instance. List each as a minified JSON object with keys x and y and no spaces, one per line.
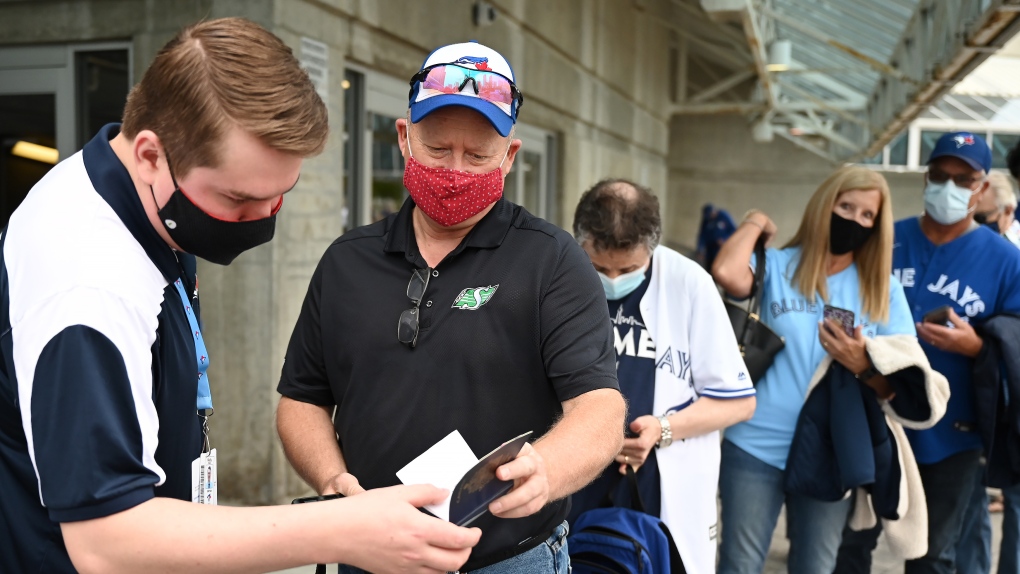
{"x":858,"y":71}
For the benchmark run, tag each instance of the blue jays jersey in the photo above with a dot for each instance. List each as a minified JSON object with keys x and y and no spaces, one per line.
{"x":978,"y":275}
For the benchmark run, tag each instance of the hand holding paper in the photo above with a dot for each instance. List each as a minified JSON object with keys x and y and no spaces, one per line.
{"x":472,"y":483}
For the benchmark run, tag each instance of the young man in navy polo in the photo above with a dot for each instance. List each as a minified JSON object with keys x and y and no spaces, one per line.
{"x":104,"y":396}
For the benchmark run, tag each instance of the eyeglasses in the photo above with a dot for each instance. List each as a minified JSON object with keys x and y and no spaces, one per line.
{"x":407,"y":326}
{"x":961,"y":180}
{"x":451,"y":79}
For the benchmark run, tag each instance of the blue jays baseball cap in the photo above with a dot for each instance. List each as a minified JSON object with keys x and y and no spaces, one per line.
{"x":964,"y":146}
{"x":469,"y":75}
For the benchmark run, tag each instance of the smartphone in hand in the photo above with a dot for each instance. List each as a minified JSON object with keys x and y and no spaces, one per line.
{"x":939,"y":316}
{"x":844,"y":316}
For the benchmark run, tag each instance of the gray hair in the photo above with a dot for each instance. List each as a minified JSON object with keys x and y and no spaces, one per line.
{"x":1002,"y":185}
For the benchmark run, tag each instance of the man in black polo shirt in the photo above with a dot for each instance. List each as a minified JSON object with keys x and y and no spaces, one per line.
{"x":102,"y":363}
{"x":461,"y":312}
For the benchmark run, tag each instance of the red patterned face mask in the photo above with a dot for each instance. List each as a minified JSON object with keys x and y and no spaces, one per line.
{"x":449,"y":196}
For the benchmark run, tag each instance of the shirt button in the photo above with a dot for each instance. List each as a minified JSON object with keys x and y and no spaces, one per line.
{"x":435,"y":273}
{"x":428,"y":303}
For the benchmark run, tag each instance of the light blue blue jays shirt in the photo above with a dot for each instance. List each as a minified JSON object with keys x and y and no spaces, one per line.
{"x":783,"y":388}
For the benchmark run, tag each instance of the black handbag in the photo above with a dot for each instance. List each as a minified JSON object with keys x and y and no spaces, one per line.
{"x":758,"y":343}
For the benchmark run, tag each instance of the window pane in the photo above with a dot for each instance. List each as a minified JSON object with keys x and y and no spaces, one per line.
{"x":29,"y":118}
{"x":928,"y":140}
{"x":530,"y":164}
{"x":873,"y":160}
{"x":388,"y":191}
{"x":898,"y":150}
{"x":1001,"y":146}
{"x":102,"y":87}
{"x":354,"y":111}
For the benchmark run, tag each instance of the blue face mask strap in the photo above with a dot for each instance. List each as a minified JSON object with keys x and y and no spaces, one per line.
{"x":203,"y":401}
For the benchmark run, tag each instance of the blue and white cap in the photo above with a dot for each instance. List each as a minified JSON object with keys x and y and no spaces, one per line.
{"x":965,"y":146}
{"x":474,"y":57}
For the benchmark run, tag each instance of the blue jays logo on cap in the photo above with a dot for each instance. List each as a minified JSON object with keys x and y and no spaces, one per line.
{"x":963,"y":139}
{"x":480,"y":63}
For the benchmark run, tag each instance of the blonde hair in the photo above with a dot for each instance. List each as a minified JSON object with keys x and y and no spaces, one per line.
{"x":873,"y":259}
{"x":221,"y":73}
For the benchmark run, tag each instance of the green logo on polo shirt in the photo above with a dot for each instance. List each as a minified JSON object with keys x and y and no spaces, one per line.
{"x":474,"y":297}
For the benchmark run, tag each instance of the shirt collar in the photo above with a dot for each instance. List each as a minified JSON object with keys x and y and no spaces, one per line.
{"x":113,"y":183}
{"x":488,"y":233}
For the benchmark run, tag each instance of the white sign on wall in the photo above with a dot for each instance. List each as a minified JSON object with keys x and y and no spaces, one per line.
{"x":315,"y":59}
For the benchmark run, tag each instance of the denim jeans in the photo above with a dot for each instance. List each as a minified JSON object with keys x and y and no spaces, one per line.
{"x":1009,"y":561}
{"x":1009,"y":550}
{"x":974,"y":549}
{"x":549,"y":557}
{"x":948,"y":488}
{"x":752,"y":496}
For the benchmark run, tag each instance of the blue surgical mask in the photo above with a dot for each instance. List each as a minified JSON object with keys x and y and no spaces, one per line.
{"x":945,"y":202}
{"x":622,"y":285}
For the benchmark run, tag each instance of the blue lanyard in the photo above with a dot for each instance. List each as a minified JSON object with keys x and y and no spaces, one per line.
{"x":204,"y":400}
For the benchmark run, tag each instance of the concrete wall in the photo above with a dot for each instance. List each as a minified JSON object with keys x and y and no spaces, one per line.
{"x":712,"y":159}
{"x":594,"y":72}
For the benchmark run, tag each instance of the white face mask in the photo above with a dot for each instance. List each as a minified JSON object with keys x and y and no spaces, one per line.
{"x":946,"y":203}
{"x":622,"y":285}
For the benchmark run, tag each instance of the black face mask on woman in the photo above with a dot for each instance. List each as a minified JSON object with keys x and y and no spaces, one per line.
{"x":202,"y":235}
{"x":846,"y":235}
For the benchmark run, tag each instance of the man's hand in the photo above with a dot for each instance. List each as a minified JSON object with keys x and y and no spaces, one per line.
{"x":635,"y":450}
{"x":844,"y":349}
{"x":531,"y":485}
{"x":345,"y":483}
{"x":961,"y":338}
{"x":396,"y":537}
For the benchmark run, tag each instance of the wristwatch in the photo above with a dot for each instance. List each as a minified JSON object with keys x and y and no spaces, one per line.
{"x":667,"y":433}
{"x":867,"y":374}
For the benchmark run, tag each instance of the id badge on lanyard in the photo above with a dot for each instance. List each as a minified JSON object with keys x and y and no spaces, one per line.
{"x":203,"y":468}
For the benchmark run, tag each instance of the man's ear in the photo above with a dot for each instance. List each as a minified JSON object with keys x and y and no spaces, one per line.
{"x":402,"y":139}
{"x":147,"y":154}
{"x":511,"y":153}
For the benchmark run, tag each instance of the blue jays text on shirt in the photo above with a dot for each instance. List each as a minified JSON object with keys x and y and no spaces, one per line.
{"x":969,"y":300}
{"x":802,"y":305}
{"x":638,"y":343}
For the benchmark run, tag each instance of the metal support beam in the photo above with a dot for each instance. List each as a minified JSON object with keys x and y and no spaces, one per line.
{"x":779,"y":131}
{"x":721,"y":86}
{"x":796,"y":24}
{"x":756,"y":40}
{"x":824,"y":105}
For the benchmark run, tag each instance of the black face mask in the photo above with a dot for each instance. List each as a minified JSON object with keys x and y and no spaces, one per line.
{"x":982,"y":218}
{"x":846,"y":235}
{"x":202,"y":235}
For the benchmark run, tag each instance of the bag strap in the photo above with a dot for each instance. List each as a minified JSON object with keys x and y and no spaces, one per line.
{"x":757,"y":288}
{"x":636,"y":502}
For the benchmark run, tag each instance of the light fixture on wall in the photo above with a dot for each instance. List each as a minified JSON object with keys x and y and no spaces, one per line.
{"x":35,"y":152}
{"x":780,"y":56}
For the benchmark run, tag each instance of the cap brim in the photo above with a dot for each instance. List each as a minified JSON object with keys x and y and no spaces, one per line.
{"x":969,"y":161}
{"x":496,"y":116}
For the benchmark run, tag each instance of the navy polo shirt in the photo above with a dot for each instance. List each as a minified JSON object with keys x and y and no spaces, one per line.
{"x":513,"y":323}
{"x":98,"y":377}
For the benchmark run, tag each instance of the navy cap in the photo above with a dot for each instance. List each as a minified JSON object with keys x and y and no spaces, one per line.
{"x":965,"y":146}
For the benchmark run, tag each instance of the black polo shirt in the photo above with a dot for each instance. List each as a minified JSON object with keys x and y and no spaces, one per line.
{"x":513,"y":322}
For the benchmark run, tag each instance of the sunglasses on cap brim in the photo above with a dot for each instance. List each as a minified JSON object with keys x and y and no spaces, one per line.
{"x":452,"y":79}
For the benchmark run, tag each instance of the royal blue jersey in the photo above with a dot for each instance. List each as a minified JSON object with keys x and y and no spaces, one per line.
{"x":978,"y":275}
